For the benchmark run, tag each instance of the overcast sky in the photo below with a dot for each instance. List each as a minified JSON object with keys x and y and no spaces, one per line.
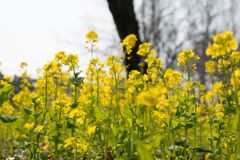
{"x":33,"y":31}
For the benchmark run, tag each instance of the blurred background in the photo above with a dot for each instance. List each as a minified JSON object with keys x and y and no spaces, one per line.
{"x":33,"y":31}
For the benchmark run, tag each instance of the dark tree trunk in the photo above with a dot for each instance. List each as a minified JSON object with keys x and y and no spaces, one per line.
{"x":126,"y":23}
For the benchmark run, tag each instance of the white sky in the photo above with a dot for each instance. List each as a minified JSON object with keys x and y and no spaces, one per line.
{"x":33,"y":31}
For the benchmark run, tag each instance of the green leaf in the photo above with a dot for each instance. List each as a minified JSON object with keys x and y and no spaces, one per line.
{"x":128,"y":113}
{"x":219,"y":150}
{"x":216,"y":136}
{"x":181,"y":98}
{"x":189,"y":125}
{"x":222,"y":99}
{"x":179,"y":143}
{"x":99,"y":114}
{"x":123,"y":136}
{"x":124,"y":157}
{"x":18,"y":123}
{"x":162,"y":75}
{"x":179,"y":111}
{"x":77,"y":73}
{"x":8,"y":119}
{"x":5,"y":92}
{"x":129,"y":150}
{"x":28,"y":111}
{"x":70,"y":125}
{"x":144,"y":151}
{"x":187,"y":115}
{"x":229,"y":109}
{"x":43,"y":156}
{"x":115,"y":129}
{"x":200,"y":149}
{"x":168,"y":151}
{"x":77,"y":81}
{"x":74,"y":105}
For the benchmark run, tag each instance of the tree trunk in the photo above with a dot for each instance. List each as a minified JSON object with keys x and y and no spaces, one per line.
{"x":126,"y":23}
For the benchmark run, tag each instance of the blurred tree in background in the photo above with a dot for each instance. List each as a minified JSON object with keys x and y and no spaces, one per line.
{"x":126,"y":23}
{"x":172,"y":26}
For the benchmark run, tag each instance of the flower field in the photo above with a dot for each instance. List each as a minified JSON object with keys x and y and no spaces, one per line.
{"x":105,"y":115}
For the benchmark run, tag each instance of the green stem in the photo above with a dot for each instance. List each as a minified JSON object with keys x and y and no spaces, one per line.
{"x":195,"y":123}
{"x":124,"y":57}
{"x":46,"y":91}
{"x":56,"y":146}
{"x":132,"y":139}
{"x":224,"y":72}
{"x":185,"y":144}
{"x":189,"y":76}
{"x":97,"y":88}
{"x":117,"y":100}
{"x":56,"y":83}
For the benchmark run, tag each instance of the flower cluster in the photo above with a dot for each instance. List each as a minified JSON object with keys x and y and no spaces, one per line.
{"x":144,"y":49}
{"x":129,"y":42}
{"x":223,"y":44}
{"x":92,"y":37}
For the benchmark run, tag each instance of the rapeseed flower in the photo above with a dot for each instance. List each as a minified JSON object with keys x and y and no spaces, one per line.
{"x":29,"y":126}
{"x":91,"y":130}
{"x":92,"y":37}
{"x":50,"y":66}
{"x":143,"y":49}
{"x":129,"y":42}
{"x":39,"y":128}
{"x":23,"y":64}
{"x":223,"y":44}
{"x":152,"y":52}
{"x":210,"y":67}
{"x":184,"y":57}
{"x":3,"y":83}
{"x":60,"y":56}
{"x":235,"y":80}
{"x":151,"y":97}
{"x":72,"y":61}
{"x":8,"y":78}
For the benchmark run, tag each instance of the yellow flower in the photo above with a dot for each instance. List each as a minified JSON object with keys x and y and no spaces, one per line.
{"x":23,"y":64}
{"x":223,"y":44}
{"x":29,"y":126}
{"x":24,"y":136}
{"x":76,"y":112}
{"x":98,"y":121}
{"x":196,"y":57}
{"x":72,"y":61}
{"x":159,"y":62}
{"x":8,"y":78}
{"x":235,"y":79}
{"x":150,"y":60}
{"x":151,"y":97}
{"x":129,"y":42}
{"x":152,"y":52}
{"x":221,"y":63}
{"x":80,"y":121}
{"x":156,"y":115}
{"x":91,"y":130}
{"x":39,"y":128}
{"x":184,"y":57}
{"x":143,"y":49}
{"x":194,"y":66}
{"x":209,"y":95}
{"x":189,"y":85}
{"x":210,"y":66}
{"x":60,"y":56}
{"x":50,"y":66}
{"x":92,"y":37}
